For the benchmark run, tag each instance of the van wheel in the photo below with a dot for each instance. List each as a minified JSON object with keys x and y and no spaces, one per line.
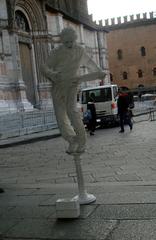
{"x":102,"y":125}
{"x":116,"y":123}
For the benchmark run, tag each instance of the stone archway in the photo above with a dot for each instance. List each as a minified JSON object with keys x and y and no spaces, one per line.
{"x":26,"y":60}
{"x":30,"y":24}
{"x":33,"y":12}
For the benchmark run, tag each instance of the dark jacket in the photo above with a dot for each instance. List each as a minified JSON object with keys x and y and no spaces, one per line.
{"x":123,"y":103}
{"x":91,"y":107}
{"x":92,"y":122}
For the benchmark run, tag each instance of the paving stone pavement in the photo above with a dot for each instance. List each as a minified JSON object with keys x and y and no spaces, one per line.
{"x":119,"y":169}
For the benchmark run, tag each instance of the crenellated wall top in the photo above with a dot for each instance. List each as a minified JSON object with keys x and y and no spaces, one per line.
{"x":120,"y":21}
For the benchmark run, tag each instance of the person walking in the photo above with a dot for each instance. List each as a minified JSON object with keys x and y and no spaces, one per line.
{"x":123,"y":110}
{"x":92,"y":121}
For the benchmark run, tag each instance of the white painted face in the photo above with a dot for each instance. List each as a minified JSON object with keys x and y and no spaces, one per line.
{"x":68,"y":43}
{"x":68,"y":37}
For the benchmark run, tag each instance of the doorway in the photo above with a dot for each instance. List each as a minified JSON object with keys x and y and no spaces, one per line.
{"x":27,"y":71}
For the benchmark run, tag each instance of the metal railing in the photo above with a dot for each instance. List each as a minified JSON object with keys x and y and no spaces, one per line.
{"x":21,"y":123}
{"x":144,"y":111}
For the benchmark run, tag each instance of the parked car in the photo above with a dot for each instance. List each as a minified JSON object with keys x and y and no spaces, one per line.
{"x":148,"y":97}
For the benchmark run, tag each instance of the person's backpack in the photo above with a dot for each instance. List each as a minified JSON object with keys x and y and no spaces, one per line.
{"x":87,"y":116}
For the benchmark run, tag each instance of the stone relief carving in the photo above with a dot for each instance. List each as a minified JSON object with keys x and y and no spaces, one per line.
{"x":11,"y":12}
{"x":61,"y":68}
{"x":21,"y":21}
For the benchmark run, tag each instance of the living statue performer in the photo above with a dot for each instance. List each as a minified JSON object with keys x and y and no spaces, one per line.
{"x":61,"y":69}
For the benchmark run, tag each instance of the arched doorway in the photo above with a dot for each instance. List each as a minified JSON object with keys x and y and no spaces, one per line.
{"x":26,"y":55}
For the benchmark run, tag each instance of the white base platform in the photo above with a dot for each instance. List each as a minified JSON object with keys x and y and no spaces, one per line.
{"x":67,"y":208}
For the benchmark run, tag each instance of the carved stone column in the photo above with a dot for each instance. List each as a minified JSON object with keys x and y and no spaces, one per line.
{"x":103,"y":55}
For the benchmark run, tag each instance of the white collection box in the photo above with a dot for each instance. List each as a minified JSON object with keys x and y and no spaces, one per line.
{"x":67,"y":208}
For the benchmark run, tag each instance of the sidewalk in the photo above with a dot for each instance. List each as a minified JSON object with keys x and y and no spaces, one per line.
{"x":119,"y":169}
{"x":45,"y":135}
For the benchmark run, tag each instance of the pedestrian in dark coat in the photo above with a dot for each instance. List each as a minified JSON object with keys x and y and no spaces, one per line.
{"x":1,"y":190}
{"x":123,"y":110}
{"x":92,"y":122}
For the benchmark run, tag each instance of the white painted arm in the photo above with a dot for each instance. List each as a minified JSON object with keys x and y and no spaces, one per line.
{"x":49,"y":73}
{"x":48,"y":68}
{"x":95,"y":72}
{"x":91,"y":76}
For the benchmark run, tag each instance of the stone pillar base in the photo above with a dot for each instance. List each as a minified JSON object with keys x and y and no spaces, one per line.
{"x":45,"y":101}
{"x":10,"y":106}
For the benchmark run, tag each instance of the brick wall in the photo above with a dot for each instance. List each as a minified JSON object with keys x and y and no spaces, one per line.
{"x":129,"y":40}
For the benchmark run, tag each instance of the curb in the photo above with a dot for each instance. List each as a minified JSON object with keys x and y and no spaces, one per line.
{"x":26,"y":139}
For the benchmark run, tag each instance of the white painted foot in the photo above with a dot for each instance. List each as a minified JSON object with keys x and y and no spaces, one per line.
{"x":85,"y":199}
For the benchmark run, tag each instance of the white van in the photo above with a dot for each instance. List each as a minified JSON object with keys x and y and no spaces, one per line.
{"x":105,"y":102}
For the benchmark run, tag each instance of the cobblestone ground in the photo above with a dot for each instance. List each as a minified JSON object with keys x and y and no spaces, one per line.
{"x":119,"y":169}
{"x":110,"y":157}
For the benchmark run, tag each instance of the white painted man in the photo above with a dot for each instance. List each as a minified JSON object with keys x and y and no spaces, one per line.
{"x":62,"y":68}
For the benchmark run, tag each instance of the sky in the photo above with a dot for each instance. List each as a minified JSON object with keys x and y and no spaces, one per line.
{"x":104,"y":9}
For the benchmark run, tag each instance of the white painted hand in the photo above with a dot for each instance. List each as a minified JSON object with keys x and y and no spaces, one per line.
{"x":102,"y":75}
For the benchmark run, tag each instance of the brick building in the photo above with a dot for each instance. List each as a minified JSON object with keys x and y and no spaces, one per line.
{"x":29,"y":29}
{"x":132,"y":50}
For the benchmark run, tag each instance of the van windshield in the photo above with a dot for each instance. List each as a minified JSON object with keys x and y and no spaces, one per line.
{"x":101,"y":95}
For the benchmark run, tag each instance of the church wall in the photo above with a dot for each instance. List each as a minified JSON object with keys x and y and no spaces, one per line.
{"x":45,"y":25}
{"x":53,"y":23}
{"x":3,"y":11}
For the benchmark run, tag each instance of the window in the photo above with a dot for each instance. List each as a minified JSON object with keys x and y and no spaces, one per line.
{"x":140,"y":86}
{"x":140,"y":73}
{"x":124,"y":88}
{"x":111,"y":77}
{"x":101,"y":95}
{"x":143,"y":51}
{"x":119,"y":54}
{"x":154,"y":71}
{"x":125,"y":75}
{"x":115,"y":91}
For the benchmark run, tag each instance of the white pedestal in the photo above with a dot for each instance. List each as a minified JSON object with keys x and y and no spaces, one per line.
{"x":83,"y":197}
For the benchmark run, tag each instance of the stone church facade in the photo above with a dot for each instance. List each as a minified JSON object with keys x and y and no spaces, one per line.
{"x":132,"y":50}
{"x":28,"y":31}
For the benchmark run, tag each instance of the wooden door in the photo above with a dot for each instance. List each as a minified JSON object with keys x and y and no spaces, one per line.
{"x":27,"y":72}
